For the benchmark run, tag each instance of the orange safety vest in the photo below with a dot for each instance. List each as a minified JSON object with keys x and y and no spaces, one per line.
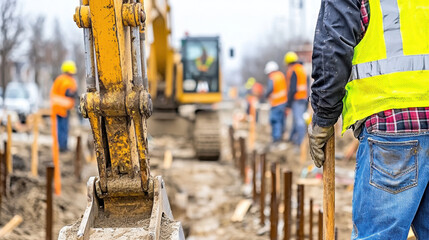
{"x":279,"y":94}
{"x":60,"y":103}
{"x":301,"y":83}
{"x":257,"y":90}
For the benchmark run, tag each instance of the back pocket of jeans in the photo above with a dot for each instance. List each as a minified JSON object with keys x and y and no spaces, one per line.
{"x":393,"y":165}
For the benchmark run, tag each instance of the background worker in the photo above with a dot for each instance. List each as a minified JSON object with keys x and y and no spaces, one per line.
{"x":254,"y":93}
{"x":276,"y":93}
{"x":63,"y":93}
{"x":297,"y":81}
{"x":378,"y":80}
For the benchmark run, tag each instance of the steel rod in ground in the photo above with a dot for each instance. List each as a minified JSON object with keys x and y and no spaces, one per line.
{"x":274,"y":207}
{"x":49,"y":196}
{"x":243,"y":156}
{"x":336,"y":233}
{"x":254,"y":169}
{"x":329,"y":190}
{"x":320,"y":225}
{"x":287,"y":203}
{"x":262,"y":196}
{"x":300,"y":213}
{"x":310,"y":219}
{"x":232,"y":141}
{"x":78,"y":159}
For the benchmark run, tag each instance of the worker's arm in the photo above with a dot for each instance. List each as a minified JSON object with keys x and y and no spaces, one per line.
{"x":291,"y":90}
{"x":270,"y":89}
{"x":337,"y":31}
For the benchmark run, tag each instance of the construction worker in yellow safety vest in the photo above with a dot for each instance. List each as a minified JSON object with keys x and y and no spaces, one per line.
{"x":204,"y":62}
{"x":276,"y":93}
{"x":63,"y":93}
{"x":371,"y":65}
{"x":297,"y":84}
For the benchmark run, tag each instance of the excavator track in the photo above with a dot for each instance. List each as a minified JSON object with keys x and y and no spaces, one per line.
{"x":207,"y":135}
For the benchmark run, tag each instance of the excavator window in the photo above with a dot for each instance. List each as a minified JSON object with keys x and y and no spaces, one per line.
{"x":201,"y":65}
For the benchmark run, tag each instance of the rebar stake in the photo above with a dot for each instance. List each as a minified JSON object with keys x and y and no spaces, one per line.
{"x":287,"y":203}
{"x":262,"y":196}
{"x":274,"y":207}
{"x":49,"y":196}
{"x":300,"y":213}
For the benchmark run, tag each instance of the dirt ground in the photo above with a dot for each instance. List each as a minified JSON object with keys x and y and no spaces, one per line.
{"x":203,"y":195}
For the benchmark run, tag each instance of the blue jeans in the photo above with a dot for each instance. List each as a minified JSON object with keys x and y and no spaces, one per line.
{"x":277,"y":120}
{"x":63,"y":132}
{"x":299,"y":128}
{"x":391,"y":190}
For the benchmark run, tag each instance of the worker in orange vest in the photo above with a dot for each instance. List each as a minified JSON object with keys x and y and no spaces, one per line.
{"x":63,"y":93}
{"x":276,"y":93}
{"x":254,"y":92}
{"x":297,"y":82}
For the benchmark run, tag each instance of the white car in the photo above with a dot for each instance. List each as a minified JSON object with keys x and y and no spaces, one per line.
{"x":21,"y":99}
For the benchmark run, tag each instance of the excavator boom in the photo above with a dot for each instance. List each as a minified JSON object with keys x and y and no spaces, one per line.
{"x":124,"y":199}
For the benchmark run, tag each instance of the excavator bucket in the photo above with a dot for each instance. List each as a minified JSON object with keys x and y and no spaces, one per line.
{"x":155,"y":222}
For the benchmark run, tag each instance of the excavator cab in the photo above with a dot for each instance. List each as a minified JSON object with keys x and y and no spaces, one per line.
{"x":201,"y":71}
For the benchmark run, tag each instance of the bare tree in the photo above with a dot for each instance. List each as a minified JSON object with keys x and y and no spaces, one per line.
{"x":272,"y":49}
{"x":37,"y":43}
{"x":11,"y":29}
{"x":56,"y":51}
{"x":78,"y":55}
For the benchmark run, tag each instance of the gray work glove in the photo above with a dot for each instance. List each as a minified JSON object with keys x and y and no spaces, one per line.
{"x":318,"y":136}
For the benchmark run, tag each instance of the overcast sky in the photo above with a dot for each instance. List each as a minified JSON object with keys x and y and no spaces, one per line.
{"x":241,"y":24}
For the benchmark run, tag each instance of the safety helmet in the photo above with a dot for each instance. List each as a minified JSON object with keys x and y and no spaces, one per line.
{"x":250,"y":82}
{"x":291,"y":57}
{"x":270,"y":67}
{"x":68,"y":67}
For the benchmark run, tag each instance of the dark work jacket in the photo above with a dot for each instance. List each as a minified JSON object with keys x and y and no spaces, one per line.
{"x":338,"y":31}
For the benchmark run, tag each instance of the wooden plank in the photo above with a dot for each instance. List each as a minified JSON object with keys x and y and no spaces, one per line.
{"x":241,"y":210}
{"x":12,"y":224}
{"x":9,"y":145}
{"x":168,"y":159}
{"x":35,"y":146}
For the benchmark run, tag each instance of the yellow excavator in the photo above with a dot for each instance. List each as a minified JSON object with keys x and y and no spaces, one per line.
{"x":191,"y":77}
{"x":124,"y":201}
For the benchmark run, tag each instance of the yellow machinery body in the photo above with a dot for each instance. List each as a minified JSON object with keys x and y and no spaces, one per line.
{"x":165,"y":65}
{"x":175,"y":80}
{"x":124,"y":198}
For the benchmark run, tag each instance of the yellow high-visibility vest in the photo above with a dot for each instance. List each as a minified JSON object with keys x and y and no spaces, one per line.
{"x":391,"y":63}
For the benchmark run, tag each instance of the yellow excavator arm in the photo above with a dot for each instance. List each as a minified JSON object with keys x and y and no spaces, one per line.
{"x":162,"y":54}
{"x":117,"y":103}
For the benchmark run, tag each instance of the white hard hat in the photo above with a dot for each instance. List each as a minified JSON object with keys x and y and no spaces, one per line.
{"x":270,"y":67}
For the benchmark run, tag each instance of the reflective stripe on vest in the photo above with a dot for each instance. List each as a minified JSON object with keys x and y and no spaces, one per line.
{"x":301,"y":81}
{"x":391,"y":63}
{"x":279,"y":94}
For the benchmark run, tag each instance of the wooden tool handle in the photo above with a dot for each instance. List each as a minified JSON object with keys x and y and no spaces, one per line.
{"x":329,"y":191}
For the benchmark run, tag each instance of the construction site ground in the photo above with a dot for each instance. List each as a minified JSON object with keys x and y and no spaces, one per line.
{"x":203,"y":194}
